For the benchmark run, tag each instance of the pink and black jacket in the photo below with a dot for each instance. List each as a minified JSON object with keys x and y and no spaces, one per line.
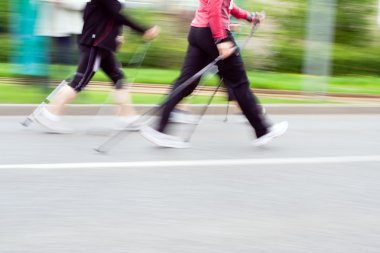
{"x":215,"y":14}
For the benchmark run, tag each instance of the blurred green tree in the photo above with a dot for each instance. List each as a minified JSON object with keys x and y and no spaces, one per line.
{"x":4,"y":16}
{"x":353,"y":22}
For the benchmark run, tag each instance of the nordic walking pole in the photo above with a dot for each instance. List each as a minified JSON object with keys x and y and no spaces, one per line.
{"x":115,"y":138}
{"x":243,"y":46}
{"x":254,"y":27}
{"x":203,"y":111}
{"x":136,"y":62}
{"x":227,"y":111}
{"x":110,"y":142}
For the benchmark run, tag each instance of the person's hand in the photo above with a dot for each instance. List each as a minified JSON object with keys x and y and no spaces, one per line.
{"x":257,"y":18}
{"x":120,"y":40}
{"x":151,"y":33}
{"x":260,"y":17}
{"x":226,"y":49}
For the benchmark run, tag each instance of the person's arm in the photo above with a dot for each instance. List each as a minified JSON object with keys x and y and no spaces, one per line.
{"x":215,"y":20}
{"x":223,"y":43}
{"x":239,"y":13}
{"x":113,"y":7}
{"x":254,"y":17}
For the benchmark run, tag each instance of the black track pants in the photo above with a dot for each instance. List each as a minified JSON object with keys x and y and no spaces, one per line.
{"x":200,"y":52}
{"x":91,"y":59}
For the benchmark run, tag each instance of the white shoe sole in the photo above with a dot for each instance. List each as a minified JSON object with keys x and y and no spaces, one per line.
{"x":148,"y":133}
{"x":50,"y":129}
{"x":275,"y":131}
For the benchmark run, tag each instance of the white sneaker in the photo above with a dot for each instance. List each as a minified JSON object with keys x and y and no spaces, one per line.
{"x":163,"y":140}
{"x":274,"y":131}
{"x":179,"y":116}
{"x":129,"y":123}
{"x":50,"y":125}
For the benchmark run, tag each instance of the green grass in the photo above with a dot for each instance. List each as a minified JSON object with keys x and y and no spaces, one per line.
{"x":259,"y":79}
{"x":33,"y":94}
{"x":21,"y":94}
{"x":265,"y":80}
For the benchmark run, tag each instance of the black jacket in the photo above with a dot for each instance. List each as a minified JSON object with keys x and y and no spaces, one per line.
{"x":103,"y":22}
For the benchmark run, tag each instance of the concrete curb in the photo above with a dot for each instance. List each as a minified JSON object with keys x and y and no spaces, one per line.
{"x":26,"y":109}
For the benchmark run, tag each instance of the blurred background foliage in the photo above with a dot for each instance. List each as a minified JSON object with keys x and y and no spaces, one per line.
{"x":4,"y":13}
{"x":277,"y":46}
{"x":4,"y":29}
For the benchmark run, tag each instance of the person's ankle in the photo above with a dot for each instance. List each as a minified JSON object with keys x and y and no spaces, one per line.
{"x":50,"y":115}
{"x":262,"y":132}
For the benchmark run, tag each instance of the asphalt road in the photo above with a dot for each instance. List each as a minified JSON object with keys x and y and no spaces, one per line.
{"x":316,"y":189}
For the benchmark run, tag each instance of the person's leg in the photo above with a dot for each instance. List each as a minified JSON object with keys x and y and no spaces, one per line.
{"x":64,"y":97}
{"x":194,"y":61}
{"x":112,"y":68}
{"x":48,"y":117}
{"x":88,"y":64}
{"x":233,"y":71}
{"x":235,"y":78}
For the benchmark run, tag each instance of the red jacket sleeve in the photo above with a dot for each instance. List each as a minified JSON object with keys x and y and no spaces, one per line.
{"x":239,"y":13}
{"x":215,"y":19}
